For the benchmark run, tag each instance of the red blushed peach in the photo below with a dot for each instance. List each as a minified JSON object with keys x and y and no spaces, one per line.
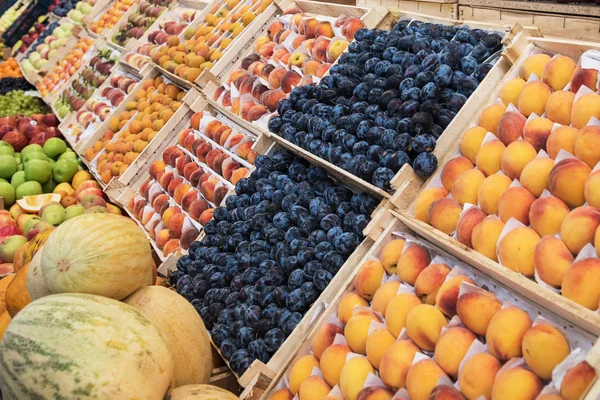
{"x":351,"y":25}
{"x":197,"y":207}
{"x":274,"y":28}
{"x":211,"y":127}
{"x":226,"y":100}
{"x":276,"y":76}
{"x":166,"y":179}
{"x":253,"y":69}
{"x":309,"y":44}
{"x":267,"y":49}
{"x":256,"y":112}
{"x":173,"y":185}
{"x":208,"y":190}
{"x":259,"y":42}
{"x":171,"y":247}
{"x":174,"y":156}
{"x":181,"y":191}
{"x":235,"y":139}
{"x":167,"y":154}
{"x":168,"y":214}
{"x":189,"y":141}
{"x":176,"y":225}
{"x":237,"y":75}
{"x":144,"y":190}
{"x":197,"y":143}
{"x":138,"y":206}
{"x":297,"y":42}
{"x":289,"y":81}
{"x":203,"y":178}
{"x":310,"y":67}
{"x":258,"y":90}
{"x":245,"y":109}
{"x":217,"y":135}
{"x":188,"y":236}
{"x":308,"y":27}
{"x":224,"y":136}
{"x":206,"y":216}
{"x":324,"y":29}
{"x":156,"y":167}
{"x":195,"y":119}
{"x":218,"y":162}
{"x":319,"y":50}
{"x":159,"y":202}
{"x":202,"y":151}
{"x":266,"y":71}
{"x":162,"y":237}
{"x":183,"y":135}
{"x":181,"y":163}
{"x":322,"y":69}
{"x":228,"y":168}
{"x":189,"y":168}
{"x":152,"y":228}
{"x":195,"y":176}
{"x":243,"y":149}
{"x":277,"y":54}
{"x":246,"y":61}
{"x":220,"y":194}
{"x":247,"y":85}
{"x":251,"y":156}
{"x":271,"y":99}
{"x":238,"y":174}
{"x":210,"y":157}
{"x":188,"y":199}
{"x":147,"y":217}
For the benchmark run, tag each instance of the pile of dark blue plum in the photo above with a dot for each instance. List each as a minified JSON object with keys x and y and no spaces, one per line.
{"x":269,"y":253}
{"x":388,"y":99}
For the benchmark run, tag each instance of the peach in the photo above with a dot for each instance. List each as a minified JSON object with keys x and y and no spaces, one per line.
{"x":171,"y":247}
{"x":313,"y":387}
{"x":276,"y":76}
{"x":577,"y":380}
{"x":156,"y":167}
{"x":579,"y":227}
{"x":559,"y":107}
{"x":453,"y":169}
{"x":429,"y":282}
{"x":368,"y":278}
{"x":308,"y":27}
{"x":510,"y":127}
{"x":490,"y":191}
{"x":587,"y":145}
{"x":516,"y":384}
{"x":424,"y":324}
{"x":422,"y":377}
{"x":357,"y":331}
{"x":350,"y":26}
{"x":377,"y":344}
{"x":471,"y":142}
{"x":451,"y":348}
{"x":423,"y":202}
{"x":375,"y":393}
{"x":412,"y":261}
{"x":396,"y":362}
{"x":390,"y":254}
{"x":301,"y":370}
{"x":592,"y":189}
{"x":509,"y":94}
{"x":516,"y":250}
{"x":506,"y":331}
{"x":515,"y":157}
{"x":347,"y":304}
{"x":444,"y":214}
{"x":584,"y":108}
{"x":533,"y":98}
{"x":567,"y":181}
{"x":447,"y":295}
{"x":585,"y":77}
{"x":534,"y":177}
{"x":169,"y":213}
{"x":290,"y":80}
{"x":444,"y":392}
{"x":332,"y":361}
{"x":485,"y":236}
{"x":477,"y":376}
{"x":176,"y":225}
{"x":467,"y":222}
{"x":533,"y":65}
{"x":551,"y":260}
{"x":322,"y":69}
{"x":476,"y":309}
{"x":557,"y":73}
{"x":490,"y":117}
{"x":582,"y":283}
{"x":160,"y":202}
{"x":536,"y":132}
{"x":537,"y":341}
{"x":282,"y":394}
{"x":383,"y":295}
{"x":188,"y":236}
{"x":206,"y":216}
{"x":175,"y":182}
{"x":162,"y":237}
{"x":181,"y":191}
{"x":353,"y":376}
{"x":319,"y":50}
{"x":489,"y":156}
{"x":397,"y":310}
{"x":515,"y":203}
{"x":324,"y":338}
{"x":197,"y":208}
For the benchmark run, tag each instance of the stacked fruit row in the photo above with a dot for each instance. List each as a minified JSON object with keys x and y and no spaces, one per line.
{"x":36,"y":31}
{"x":10,"y":69}
{"x":388,"y":98}
{"x":268,"y":74}
{"x":138,"y":22}
{"x":133,"y":129}
{"x":209,"y":40}
{"x":44,"y":48}
{"x":530,"y":179}
{"x":17,"y":103}
{"x":269,"y":253}
{"x":111,"y":16}
{"x":419,"y":326}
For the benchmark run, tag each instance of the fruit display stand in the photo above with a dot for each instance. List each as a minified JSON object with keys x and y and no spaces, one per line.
{"x":578,"y":333}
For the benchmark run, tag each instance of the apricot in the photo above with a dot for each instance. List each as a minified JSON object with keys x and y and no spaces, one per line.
{"x":509,"y":94}
{"x":485,"y":236}
{"x":585,"y":77}
{"x":515,"y":203}
{"x":476,"y":309}
{"x":536,"y":132}
{"x":397,"y":310}
{"x":377,"y":343}
{"x":444,"y":392}
{"x":505,"y":333}
{"x":584,"y":108}
{"x":332,"y":361}
{"x":477,"y":376}
{"x":356,"y":332}
{"x":443,"y":214}
{"x":471,"y":142}
{"x":301,"y":370}
{"x":534,"y":176}
{"x":516,"y":384}
{"x":375,"y":393}
{"x":453,"y":169}
{"x":559,"y":107}
{"x":424,"y":324}
{"x":516,"y":249}
{"x":466,"y":186}
{"x":422,"y":377}
{"x":587,"y":145}
{"x":582,"y":283}
{"x":429,"y":282}
{"x":515,"y":157}
{"x":383,"y":295}
{"x":533,"y":98}
{"x":396,"y":362}
{"x":423,"y":202}
{"x":489,"y":157}
{"x":451,"y":348}
{"x":324,"y":338}
{"x":537,"y":341}
{"x":353,"y":376}
{"x":313,"y":388}
{"x":467,"y":222}
{"x":567,"y":181}
{"x":490,"y":117}
{"x":368,"y":278}
{"x":592,"y":189}
{"x":282,"y":394}
{"x":490,"y":191}
{"x":557,"y":73}
{"x":551,"y":260}
{"x":447,"y":295}
{"x":510,"y":127}
{"x":577,"y":380}
{"x":412,"y":261}
{"x":390,"y":254}
{"x":533,"y":65}
{"x":579,"y":227}
{"x":347,"y":304}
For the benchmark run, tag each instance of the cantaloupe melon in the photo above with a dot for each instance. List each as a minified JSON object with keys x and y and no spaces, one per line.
{"x":201,"y":392}
{"x":104,"y":254}
{"x":16,"y":293}
{"x":72,"y":346}
{"x":4,"y":282}
{"x":36,"y":287}
{"x":181,"y":326}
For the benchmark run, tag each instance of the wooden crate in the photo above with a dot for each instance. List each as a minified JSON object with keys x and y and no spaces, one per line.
{"x":432,"y":8}
{"x":585,"y":331}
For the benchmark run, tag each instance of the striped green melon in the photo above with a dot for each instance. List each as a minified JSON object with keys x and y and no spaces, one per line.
{"x":80,"y":346}
{"x":35,"y":281}
{"x":181,"y":326}
{"x":201,"y":392}
{"x":104,"y":254}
